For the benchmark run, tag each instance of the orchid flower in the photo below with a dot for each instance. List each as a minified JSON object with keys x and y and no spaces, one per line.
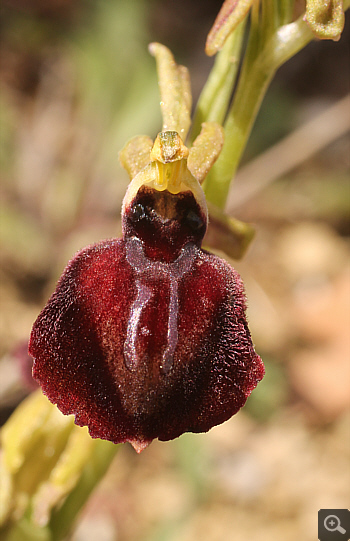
{"x":146,"y":336}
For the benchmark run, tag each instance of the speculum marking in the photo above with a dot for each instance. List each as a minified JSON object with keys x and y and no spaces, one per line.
{"x":145,"y":268}
{"x":144,"y":294}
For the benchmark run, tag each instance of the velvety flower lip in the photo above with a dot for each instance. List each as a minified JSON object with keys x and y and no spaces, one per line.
{"x":146,"y":336}
{"x":160,"y":385}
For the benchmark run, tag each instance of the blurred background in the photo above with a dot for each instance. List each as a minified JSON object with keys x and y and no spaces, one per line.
{"x":76,"y":83}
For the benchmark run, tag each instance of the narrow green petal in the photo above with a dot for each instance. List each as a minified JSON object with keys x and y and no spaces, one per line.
{"x":325,"y":18}
{"x":230,"y":15}
{"x":136,"y":154}
{"x":175,"y":91}
{"x":205,"y":150}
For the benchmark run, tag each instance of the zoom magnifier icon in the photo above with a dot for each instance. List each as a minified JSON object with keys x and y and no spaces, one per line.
{"x":332,"y":524}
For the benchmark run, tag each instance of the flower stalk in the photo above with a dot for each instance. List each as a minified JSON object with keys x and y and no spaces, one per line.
{"x":269,"y":46}
{"x":216,"y":94}
{"x":274,"y":37}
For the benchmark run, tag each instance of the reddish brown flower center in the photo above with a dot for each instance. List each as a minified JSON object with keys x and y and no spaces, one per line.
{"x":164,"y":222}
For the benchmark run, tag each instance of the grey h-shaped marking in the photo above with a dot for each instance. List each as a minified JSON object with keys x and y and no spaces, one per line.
{"x":144,"y":267}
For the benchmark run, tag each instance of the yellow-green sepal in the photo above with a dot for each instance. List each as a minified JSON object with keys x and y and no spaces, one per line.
{"x":175,"y":91}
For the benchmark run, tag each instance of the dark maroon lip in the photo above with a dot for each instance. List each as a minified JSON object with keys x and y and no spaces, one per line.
{"x":164,"y":222}
{"x":146,"y":337}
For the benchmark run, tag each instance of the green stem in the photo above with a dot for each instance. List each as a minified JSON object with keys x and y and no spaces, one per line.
{"x":216,"y":94}
{"x":285,"y":10}
{"x":258,"y":69}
